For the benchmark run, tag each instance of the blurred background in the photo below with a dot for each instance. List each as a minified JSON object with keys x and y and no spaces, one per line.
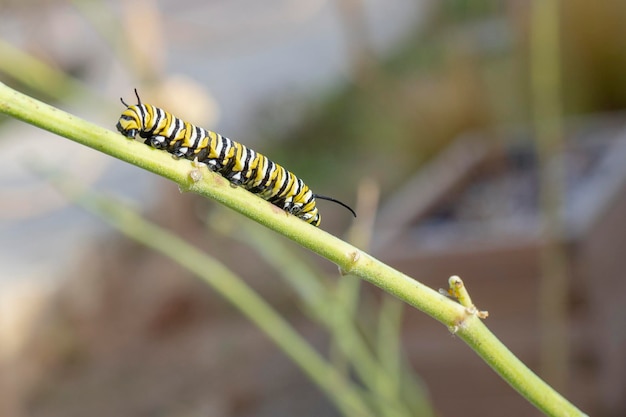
{"x":485,"y":139}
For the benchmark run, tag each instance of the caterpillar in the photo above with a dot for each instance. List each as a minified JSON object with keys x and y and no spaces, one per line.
{"x":239,"y":164}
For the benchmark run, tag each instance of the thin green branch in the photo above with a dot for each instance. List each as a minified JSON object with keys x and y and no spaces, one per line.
{"x":547,"y":115}
{"x":388,"y":346}
{"x":346,"y":395}
{"x":331,"y":312}
{"x":38,"y":75}
{"x":350,"y":259}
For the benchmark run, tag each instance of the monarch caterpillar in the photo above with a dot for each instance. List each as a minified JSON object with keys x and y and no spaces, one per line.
{"x":234,"y":161}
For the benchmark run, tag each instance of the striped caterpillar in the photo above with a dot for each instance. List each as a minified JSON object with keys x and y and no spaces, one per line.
{"x":239,"y":164}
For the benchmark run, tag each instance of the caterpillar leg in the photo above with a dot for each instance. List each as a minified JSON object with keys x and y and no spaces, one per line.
{"x":158,"y":142}
{"x":293,"y":208}
{"x":236,"y":178}
{"x":180,"y":152}
{"x":214,"y":165}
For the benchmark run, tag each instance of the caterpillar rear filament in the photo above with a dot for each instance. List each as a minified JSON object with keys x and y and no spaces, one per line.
{"x":234,"y":161}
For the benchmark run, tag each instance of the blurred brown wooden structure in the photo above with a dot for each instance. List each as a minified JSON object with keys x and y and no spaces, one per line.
{"x":473,"y":212}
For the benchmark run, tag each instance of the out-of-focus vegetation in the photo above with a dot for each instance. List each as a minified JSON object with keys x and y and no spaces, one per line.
{"x":384,"y":377}
{"x":467,"y":69}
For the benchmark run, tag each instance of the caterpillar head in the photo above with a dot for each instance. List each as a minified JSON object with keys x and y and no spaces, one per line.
{"x":130,"y":122}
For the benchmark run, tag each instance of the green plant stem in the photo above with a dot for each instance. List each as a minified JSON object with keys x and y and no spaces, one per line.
{"x":545,"y":83}
{"x":350,"y":259}
{"x":388,"y":346}
{"x":38,"y":75}
{"x":328,"y":310}
{"x":345,"y":395}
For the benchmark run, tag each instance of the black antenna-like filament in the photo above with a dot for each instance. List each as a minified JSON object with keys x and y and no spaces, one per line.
{"x":323,"y":197}
{"x":136,"y":95}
